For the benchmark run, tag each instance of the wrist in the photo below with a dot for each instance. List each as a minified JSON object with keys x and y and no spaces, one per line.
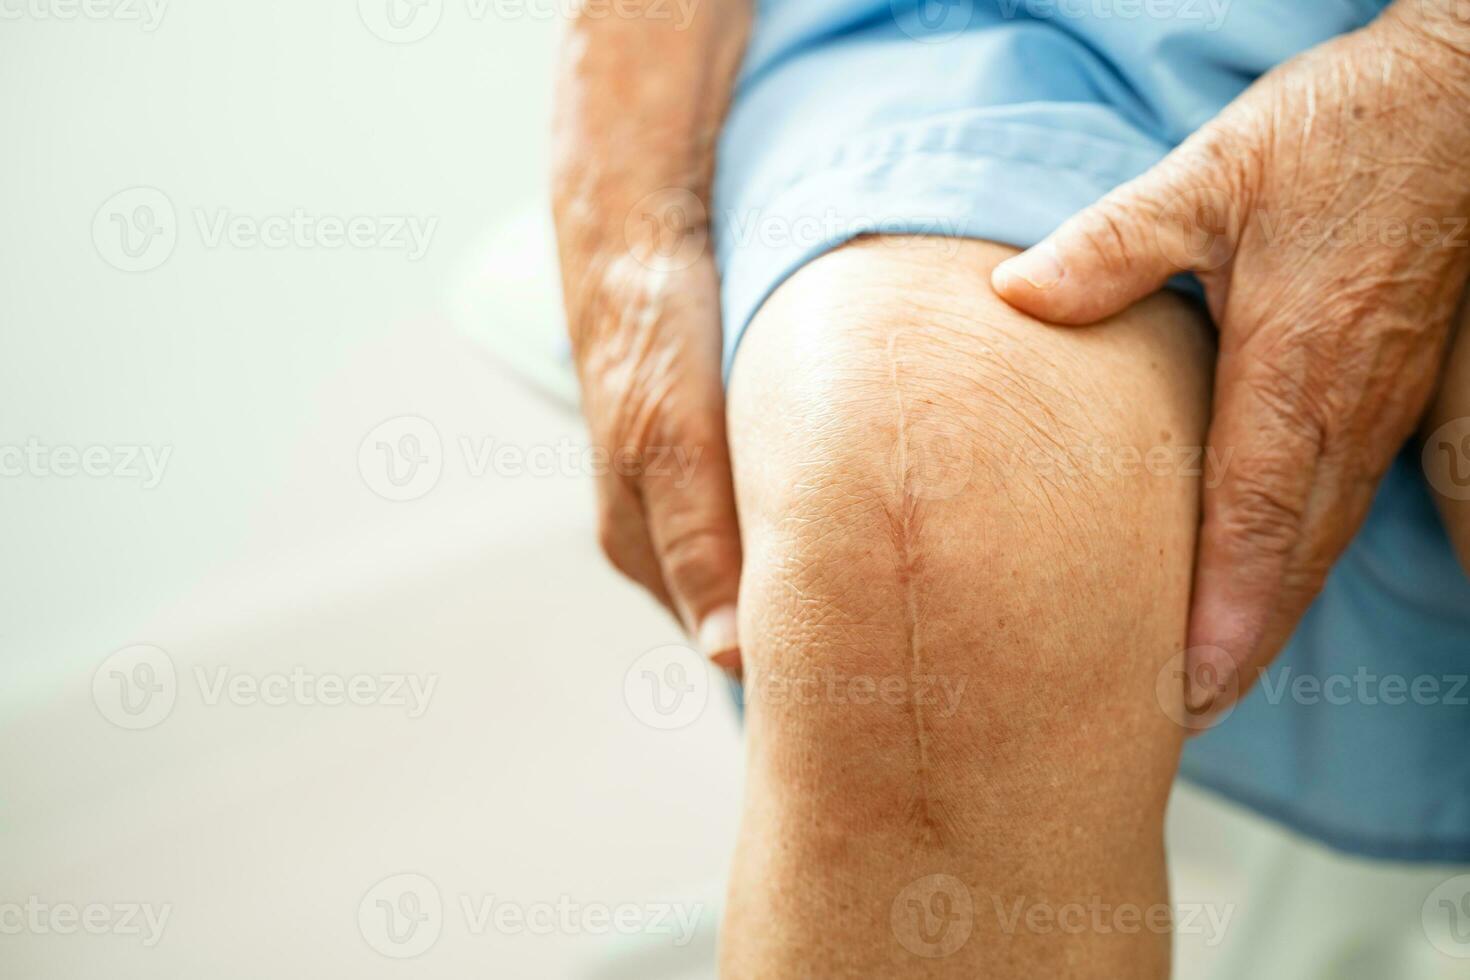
{"x":627,"y":233}
{"x":613,"y":294}
{"x":649,"y":216}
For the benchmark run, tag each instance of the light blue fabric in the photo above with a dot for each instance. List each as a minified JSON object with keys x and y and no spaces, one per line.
{"x":998,"y":119}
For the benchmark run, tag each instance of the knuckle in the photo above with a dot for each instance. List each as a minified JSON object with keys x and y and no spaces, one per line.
{"x":619,"y":527}
{"x":700,"y":560}
{"x":1229,"y":152}
{"x":651,"y":375}
{"x":1221,"y":157}
{"x":1305,"y":579}
{"x":1300,"y":404}
{"x":1195,"y":200}
{"x":1109,"y":230}
{"x":652,"y":416}
{"x":611,"y":542}
{"x":1261,"y":516}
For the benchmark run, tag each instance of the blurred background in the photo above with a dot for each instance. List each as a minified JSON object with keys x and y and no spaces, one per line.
{"x":310,"y":663}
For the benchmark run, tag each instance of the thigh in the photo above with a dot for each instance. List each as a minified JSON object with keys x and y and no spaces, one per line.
{"x":992,"y":520}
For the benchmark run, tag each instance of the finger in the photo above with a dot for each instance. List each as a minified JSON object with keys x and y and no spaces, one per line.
{"x":690,"y":500}
{"x":1337,"y":506}
{"x":623,"y":535}
{"x":1267,"y":446}
{"x":1180,"y":216}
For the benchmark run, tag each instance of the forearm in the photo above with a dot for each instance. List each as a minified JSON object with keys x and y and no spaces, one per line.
{"x":639,"y":104}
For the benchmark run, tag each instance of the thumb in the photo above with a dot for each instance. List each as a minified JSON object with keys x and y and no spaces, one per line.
{"x":1178,"y":217}
{"x":690,"y":504}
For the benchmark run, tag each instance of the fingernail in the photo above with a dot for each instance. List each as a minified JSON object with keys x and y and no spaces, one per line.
{"x":1038,"y":266}
{"x":731,"y":664}
{"x":717,"y":637}
{"x":1213,"y":678}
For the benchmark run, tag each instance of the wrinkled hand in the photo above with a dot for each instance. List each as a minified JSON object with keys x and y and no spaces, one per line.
{"x":646,"y":334}
{"x":1325,"y":213}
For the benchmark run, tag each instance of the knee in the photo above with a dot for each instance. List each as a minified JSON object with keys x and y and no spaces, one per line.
{"x":932,"y":524}
{"x":855,"y":636}
{"x":895,"y":427}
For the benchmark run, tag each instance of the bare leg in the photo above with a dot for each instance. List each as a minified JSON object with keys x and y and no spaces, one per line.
{"x":959,"y":597}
